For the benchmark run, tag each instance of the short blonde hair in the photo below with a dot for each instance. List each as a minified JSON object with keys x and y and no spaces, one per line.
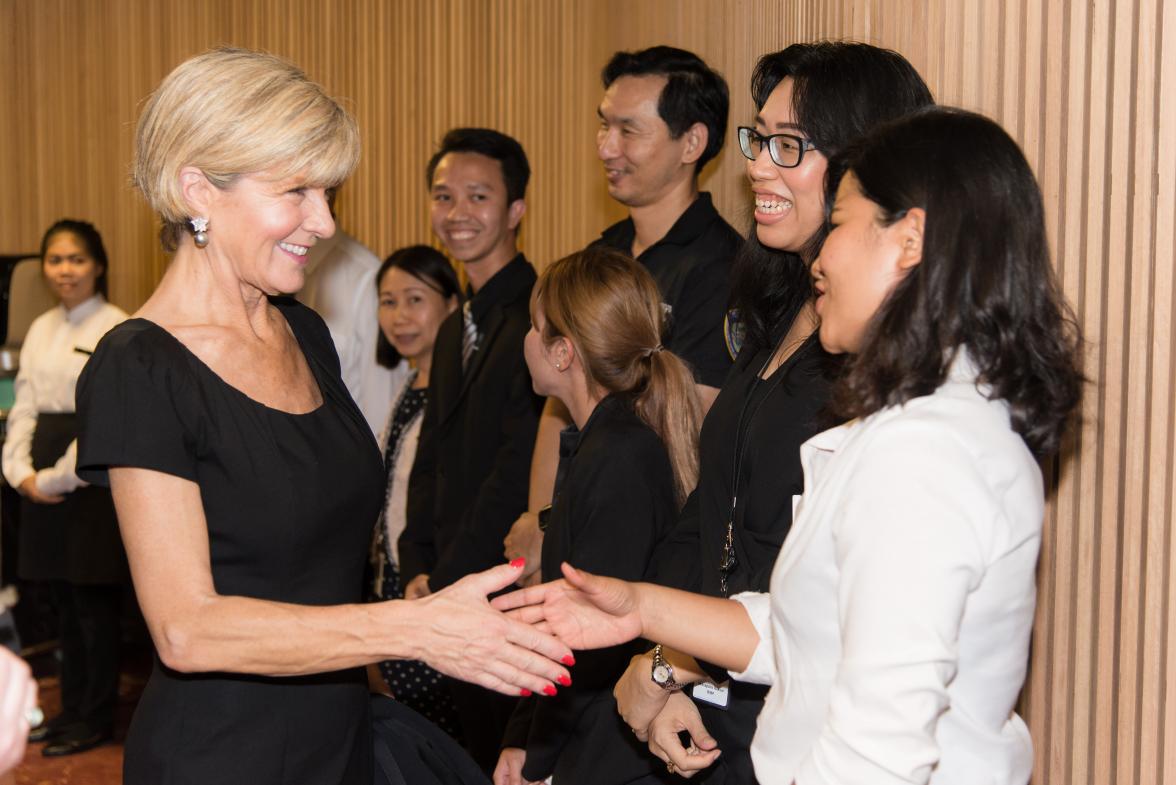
{"x":231,"y":112}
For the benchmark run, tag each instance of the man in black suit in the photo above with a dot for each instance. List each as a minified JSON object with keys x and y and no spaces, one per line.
{"x":469,"y":479}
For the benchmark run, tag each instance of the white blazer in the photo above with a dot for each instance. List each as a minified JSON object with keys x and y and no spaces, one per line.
{"x":896,"y":634}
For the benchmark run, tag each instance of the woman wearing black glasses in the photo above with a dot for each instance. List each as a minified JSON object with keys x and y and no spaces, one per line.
{"x":812,"y":100}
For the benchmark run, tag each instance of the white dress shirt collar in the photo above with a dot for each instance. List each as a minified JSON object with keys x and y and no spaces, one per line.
{"x":79,"y":313}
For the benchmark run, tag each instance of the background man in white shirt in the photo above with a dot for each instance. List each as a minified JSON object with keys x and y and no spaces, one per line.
{"x":341,"y":286}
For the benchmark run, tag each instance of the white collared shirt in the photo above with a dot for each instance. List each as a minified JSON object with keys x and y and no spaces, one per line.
{"x":896,"y":634}
{"x":50,"y":364}
{"x":341,"y":287}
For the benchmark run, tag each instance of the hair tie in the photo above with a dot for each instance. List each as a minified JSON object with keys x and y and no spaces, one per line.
{"x":653,"y":351}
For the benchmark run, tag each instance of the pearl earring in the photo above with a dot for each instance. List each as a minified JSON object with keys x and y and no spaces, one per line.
{"x":200,"y":231}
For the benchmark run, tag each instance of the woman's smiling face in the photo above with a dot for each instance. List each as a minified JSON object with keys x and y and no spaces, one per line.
{"x":411,"y":312}
{"x":266,"y":227}
{"x":859,"y":265}
{"x":789,"y":202}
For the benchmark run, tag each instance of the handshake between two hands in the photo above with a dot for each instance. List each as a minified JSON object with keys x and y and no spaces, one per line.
{"x":585,"y":611}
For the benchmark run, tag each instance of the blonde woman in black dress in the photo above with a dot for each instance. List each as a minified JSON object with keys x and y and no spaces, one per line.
{"x":245,"y":478}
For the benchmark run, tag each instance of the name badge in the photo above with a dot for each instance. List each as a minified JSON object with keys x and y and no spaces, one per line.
{"x":714,"y":694}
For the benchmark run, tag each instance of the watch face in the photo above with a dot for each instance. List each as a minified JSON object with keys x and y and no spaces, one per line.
{"x":661,"y":674}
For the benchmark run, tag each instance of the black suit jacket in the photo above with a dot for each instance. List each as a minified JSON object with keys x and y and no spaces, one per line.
{"x":473,"y":462}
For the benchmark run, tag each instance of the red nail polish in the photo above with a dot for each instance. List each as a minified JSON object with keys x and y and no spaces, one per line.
{"x":568,"y":660}
{"x":525,"y":693}
{"x":519,"y":563}
{"x":565,"y":681}
{"x":549,"y":689}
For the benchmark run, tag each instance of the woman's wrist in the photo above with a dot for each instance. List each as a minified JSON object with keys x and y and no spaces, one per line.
{"x":649,"y":611}
{"x":400,"y":629}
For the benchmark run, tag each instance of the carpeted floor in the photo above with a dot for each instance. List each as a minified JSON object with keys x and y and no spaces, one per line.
{"x":99,"y":766}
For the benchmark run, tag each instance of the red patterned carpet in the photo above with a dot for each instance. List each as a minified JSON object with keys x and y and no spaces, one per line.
{"x":99,"y":766}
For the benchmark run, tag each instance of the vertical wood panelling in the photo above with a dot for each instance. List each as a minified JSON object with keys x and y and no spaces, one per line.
{"x":1089,"y":90}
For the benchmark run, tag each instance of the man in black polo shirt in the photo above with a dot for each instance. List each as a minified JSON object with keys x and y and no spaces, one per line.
{"x":469,"y":478}
{"x":663,"y":117}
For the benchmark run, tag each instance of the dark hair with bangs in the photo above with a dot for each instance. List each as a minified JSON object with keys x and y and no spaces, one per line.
{"x":694,"y":92}
{"x":85,"y":233}
{"x":985,"y":283}
{"x":430,"y":267}
{"x":841,"y":90}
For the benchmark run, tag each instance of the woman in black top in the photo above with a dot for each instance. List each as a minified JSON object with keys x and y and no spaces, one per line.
{"x":812,"y":99}
{"x":245,"y":478}
{"x":625,"y":465}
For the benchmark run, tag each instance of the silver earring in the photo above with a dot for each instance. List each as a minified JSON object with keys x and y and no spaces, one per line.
{"x":200,"y":231}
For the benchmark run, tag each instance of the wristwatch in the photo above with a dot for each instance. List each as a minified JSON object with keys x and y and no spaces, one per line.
{"x":544,"y":517}
{"x":663,"y":673}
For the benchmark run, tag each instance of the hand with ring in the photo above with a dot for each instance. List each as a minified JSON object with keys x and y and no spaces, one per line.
{"x":680,"y":714}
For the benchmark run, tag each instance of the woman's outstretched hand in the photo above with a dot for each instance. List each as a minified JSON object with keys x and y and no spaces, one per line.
{"x":465,"y":638}
{"x":583,"y":610}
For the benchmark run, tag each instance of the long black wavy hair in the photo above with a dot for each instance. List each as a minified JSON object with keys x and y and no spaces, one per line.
{"x":984,"y":284}
{"x":841,"y":90}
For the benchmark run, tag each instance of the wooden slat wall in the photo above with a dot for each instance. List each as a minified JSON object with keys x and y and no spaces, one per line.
{"x":408,"y":70}
{"x":1087,"y":88}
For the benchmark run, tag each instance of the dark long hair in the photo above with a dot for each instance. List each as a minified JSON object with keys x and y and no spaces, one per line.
{"x":984,"y":284}
{"x":841,"y":90}
{"x":85,"y":233}
{"x":430,"y":267}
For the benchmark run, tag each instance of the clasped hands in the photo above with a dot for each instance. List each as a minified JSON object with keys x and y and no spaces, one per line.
{"x":28,"y":488}
{"x":588,"y":612}
{"x":460,"y":635}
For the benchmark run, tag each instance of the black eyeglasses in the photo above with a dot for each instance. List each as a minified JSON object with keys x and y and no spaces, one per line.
{"x":786,"y":150}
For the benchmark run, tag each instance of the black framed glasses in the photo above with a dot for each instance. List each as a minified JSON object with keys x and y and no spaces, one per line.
{"x":786,"y":150}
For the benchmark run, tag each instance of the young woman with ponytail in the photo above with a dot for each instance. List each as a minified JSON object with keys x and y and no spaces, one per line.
{"x":626,"y":465}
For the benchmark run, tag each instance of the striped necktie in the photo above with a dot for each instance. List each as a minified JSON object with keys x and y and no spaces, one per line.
{"x":469,"y":335}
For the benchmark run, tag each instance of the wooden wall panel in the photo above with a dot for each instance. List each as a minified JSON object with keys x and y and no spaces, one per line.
{"x":1089,"y":90}
{"x":408,"y":70}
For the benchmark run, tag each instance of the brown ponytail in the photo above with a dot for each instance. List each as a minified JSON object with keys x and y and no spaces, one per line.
{"x":610,"y":308}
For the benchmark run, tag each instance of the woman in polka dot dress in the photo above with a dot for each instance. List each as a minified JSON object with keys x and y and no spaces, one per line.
{"x":418,"y":289}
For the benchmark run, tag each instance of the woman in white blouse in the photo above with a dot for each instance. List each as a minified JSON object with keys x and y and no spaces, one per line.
{"x":68,"y":531}
{"x":896,"y":633}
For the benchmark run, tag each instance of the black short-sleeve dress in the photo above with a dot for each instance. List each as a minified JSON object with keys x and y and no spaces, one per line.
{"x":289,"y":500}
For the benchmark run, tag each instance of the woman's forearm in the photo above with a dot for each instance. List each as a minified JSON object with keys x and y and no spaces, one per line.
{"x":707,"y":628}
{"x":246,"y":635}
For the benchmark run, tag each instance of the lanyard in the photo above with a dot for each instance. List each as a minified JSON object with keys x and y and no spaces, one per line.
{"x":729,"y":561}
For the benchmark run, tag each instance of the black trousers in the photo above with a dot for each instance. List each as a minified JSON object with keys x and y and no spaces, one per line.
{"x":89,"y":651}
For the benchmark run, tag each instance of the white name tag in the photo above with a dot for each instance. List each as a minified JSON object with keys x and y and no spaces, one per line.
{"x":714,"y":694}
